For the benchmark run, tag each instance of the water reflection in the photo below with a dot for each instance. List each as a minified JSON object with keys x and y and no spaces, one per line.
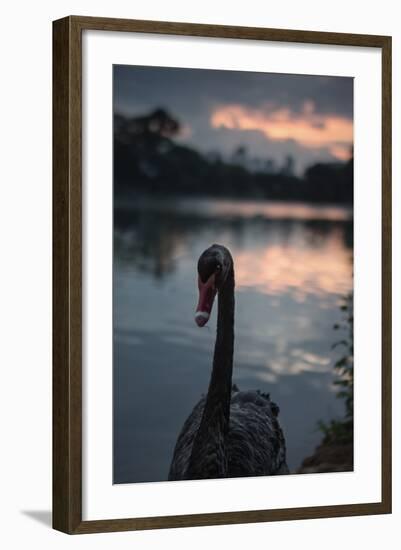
{"x":292,"y":264}
{"x":278,"y":246}
{"x":296,"y":269}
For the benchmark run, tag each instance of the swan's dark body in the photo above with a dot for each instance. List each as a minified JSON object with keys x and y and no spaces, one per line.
{"x":229,"y":433}
{"x":254,"y":446}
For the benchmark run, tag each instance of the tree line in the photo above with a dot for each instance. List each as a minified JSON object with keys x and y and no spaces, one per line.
{"x":148,"y":160}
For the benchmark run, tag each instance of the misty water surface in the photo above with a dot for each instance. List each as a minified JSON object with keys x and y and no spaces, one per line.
{"x":293,"y":263}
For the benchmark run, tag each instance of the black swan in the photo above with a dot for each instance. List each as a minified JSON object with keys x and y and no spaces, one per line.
{"x":229,"y":433}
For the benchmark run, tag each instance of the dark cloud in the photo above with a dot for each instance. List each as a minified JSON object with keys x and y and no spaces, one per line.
{"x":191,"y":95}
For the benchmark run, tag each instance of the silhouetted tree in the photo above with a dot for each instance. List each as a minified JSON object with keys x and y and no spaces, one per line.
{"x":240,"y":156}
{"x":288,"y":166}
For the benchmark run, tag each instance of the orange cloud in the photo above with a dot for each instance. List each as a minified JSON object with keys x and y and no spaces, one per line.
{"x":308,"y":128}
{"x":342,"y":152}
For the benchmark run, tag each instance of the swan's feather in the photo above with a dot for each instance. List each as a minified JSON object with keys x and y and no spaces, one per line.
{"x":255,"y":443}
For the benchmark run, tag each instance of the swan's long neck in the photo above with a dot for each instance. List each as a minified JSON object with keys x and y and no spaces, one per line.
{"x":208,"y":457}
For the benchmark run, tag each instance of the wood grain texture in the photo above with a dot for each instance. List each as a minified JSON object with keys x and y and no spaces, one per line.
{"x":67,"y":278}
{"x":229,"y":518}
{"x":226,"y":31}
{"x":67,"y":274}
{"x":386,"y":275}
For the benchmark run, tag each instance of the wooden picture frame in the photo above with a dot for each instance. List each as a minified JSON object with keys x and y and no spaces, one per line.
{"x":67,"y":273}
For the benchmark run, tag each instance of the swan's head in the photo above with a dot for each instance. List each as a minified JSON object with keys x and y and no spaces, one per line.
{"x":214,"y":265}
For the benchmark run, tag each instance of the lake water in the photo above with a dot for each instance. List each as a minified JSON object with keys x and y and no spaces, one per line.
{"x":293,"y":264}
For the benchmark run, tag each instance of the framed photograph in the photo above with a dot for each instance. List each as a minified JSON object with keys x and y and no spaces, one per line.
{"x":222,"y":274}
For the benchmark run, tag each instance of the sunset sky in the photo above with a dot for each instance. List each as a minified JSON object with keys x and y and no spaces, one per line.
{"x":272,"y":115}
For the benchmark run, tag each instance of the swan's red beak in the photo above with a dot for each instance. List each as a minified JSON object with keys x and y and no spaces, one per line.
{"x":207,"y":293}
